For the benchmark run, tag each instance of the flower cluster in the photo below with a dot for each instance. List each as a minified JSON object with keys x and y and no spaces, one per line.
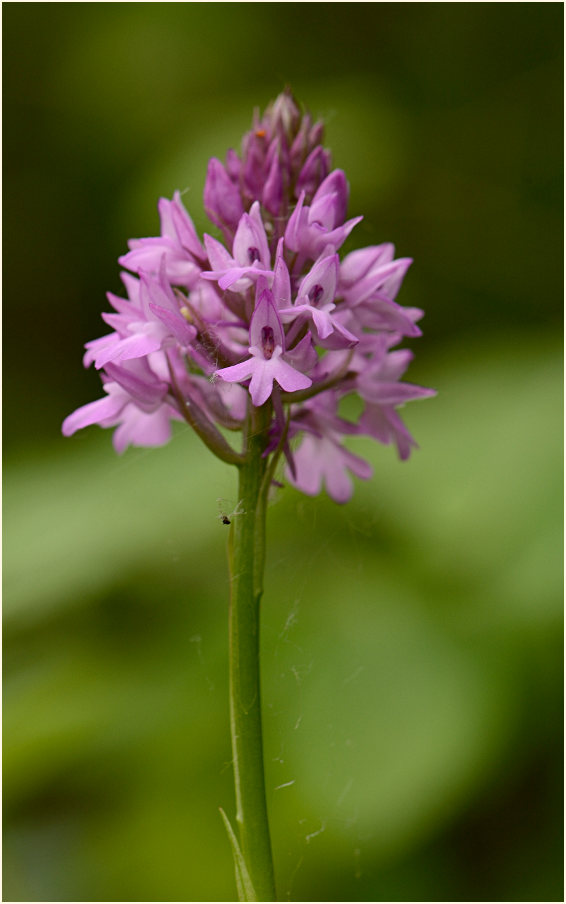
{"x":269,"y":318}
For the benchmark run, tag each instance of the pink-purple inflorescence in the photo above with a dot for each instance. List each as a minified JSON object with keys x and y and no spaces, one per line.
{"x":270,"y":316}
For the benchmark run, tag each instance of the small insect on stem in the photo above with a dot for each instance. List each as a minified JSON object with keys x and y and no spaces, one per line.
{"x":223,"y":517}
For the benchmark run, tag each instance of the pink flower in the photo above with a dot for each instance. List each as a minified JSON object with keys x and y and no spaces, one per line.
{"x":315,"y":301}
{"x":312,"y":229}
{"x":378,"y":384}
{"x":322,"y":460}
{"x":135,"y":402}
{"x":369,"y":282}
{"x":178,"y":246}
{"x":266,"y":365}
{"x":149,"y":321}
{"x":250,"y":253}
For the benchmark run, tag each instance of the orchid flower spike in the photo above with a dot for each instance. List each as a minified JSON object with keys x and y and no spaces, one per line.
{"x":269,"y":314}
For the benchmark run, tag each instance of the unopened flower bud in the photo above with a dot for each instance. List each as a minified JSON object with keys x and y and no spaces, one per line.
{"x":222,"y":200}
{"x":272,"y":194}
{"x":313,"y":173}
{"x":284,"y":113}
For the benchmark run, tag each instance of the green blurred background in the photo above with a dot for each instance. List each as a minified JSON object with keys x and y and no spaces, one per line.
{"x":412,"y":639}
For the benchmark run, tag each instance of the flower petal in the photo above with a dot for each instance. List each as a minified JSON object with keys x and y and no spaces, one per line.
{"x":261,"y":385}
{"x":289,"y":379}
{"x":237,"y":372}
{"x":99,"y":412}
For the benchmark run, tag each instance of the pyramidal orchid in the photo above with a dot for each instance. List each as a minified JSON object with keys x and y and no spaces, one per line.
{"x":261,"y":329}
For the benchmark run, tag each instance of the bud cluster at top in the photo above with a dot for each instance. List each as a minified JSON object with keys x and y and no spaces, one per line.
{"x":282,"y":156}
{"x":270,"y":319}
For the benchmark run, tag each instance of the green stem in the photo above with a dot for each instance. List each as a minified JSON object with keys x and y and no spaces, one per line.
{"x":246,"y":561}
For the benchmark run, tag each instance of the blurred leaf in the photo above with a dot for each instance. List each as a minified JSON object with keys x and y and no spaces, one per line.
{"x":80,"y":520}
